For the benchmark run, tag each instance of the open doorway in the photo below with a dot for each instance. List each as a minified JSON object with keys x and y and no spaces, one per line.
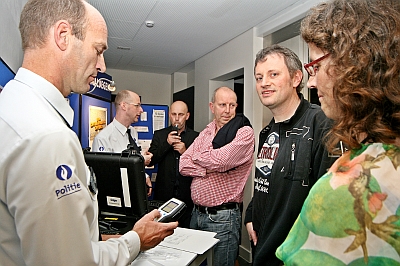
{"x":187,"y":96}
{"x":238,"y":87}
{"x":233,"y":80}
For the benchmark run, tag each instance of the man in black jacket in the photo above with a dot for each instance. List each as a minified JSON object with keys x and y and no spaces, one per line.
{"x":167,"y":146}
{"x":291,"y":153}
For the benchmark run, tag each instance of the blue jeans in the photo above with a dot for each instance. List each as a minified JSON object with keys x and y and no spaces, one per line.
{"x":226,"y":223}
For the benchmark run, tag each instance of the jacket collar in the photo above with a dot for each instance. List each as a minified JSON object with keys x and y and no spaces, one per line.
{"x":301,"y":109}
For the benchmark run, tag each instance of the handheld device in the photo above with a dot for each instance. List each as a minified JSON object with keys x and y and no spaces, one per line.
{"x":171,"y":210}
{"x":175,"y":128}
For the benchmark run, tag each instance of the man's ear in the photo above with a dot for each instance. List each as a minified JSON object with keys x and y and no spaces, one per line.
{"x":187,"y":115}
{"x":297,"y":78}
{"x":122,"y":105}
{"x":211,"y":107}
{"x":62,"y":34}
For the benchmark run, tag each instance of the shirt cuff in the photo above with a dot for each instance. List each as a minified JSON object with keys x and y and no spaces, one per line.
{"x":132,"y":240}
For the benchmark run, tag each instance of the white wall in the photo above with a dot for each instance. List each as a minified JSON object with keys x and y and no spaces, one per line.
{"x":190,"y":79}
{"x":236,"y":54}
{"x":10,"y":48}
{"x":179,"y":81}
{"x":153,"y":88}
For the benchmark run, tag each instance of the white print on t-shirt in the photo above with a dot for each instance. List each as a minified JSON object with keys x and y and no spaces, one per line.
{"x":265,"y":160}
{"x":298,"y":131}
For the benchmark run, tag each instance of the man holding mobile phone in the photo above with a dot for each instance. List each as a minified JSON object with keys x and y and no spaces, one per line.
{"x":167,"y":146}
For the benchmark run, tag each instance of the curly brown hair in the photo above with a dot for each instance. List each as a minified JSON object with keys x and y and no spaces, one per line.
{"x":363,"y":39}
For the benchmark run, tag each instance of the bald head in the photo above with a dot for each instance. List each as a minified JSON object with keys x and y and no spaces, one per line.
{"x":223,"y":90}
{"x":179,"y":105}
{"x":125,"y":96}
{"x":223,"y":105}
{"x":95,"y":19}
{"x":128,"y":107}
{"x":179,"y":114}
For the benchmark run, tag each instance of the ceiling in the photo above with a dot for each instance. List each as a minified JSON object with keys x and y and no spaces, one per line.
{"x":183,"y":31}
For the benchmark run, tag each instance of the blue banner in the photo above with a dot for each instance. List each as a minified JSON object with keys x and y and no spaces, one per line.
{"x":6,"y":74}
{"x":99,"y":86}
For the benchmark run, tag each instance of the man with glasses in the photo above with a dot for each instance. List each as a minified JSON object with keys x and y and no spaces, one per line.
{"x":291,"y":155}
{"x":117,"y":135}
{"x":220,"y":161}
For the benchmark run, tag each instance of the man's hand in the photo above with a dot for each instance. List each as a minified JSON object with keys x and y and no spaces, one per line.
{"x":150,"y":232}
{"x":173,"y":138}
{"x":147,"y":157}
{"x":179,"y":147}
{"x":252,"y":233}
{"x":149,"y":185}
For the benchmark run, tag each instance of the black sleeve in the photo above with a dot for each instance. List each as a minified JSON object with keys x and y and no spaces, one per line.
{"x":249,"y":213}
{"x":158,"y":147}
{"x":321,"y":159}
{"x":189,"y":137}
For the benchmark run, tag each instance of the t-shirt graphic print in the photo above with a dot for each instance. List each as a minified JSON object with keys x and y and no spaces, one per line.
{"x":265,"y":160}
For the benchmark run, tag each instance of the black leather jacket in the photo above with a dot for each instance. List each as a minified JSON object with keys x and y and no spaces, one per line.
{"x":301,"y":160}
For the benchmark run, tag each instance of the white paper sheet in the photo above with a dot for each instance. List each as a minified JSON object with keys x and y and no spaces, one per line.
{"x":163,"y":256}
{"x":195,"y":241}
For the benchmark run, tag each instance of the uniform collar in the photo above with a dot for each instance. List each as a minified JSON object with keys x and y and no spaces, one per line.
{"x":120,"y":127}
{"x":48,"y":91}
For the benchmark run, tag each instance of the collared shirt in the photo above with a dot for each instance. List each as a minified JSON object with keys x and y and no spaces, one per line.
{"x":228,"y":167}
{"x":113,"y":138}
{"x":48,"y":213}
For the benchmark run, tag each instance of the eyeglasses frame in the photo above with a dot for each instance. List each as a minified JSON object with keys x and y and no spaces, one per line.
{"x":308,"y":65}
{"x":135,"y":104}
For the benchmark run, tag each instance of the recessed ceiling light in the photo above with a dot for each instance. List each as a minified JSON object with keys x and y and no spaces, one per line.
{"x":149,"y":23}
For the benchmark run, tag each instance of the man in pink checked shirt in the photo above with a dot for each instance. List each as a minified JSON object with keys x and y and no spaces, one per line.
{"x":220,"y":160}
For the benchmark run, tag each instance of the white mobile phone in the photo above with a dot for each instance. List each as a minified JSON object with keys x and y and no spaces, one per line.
{"x":171,"y":210}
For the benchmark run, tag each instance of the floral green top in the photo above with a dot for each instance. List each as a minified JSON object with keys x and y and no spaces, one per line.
{"x":351,"y":215}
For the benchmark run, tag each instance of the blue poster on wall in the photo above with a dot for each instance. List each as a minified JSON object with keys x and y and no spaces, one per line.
{"x":92,"y":111}
{"x":74,"y":102}
{"x":6,"y":74}
{"x":154,"y":117}
{"x":95,"y":116}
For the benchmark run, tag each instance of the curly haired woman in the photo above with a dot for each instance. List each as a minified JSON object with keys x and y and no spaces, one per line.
{"x":352,"y":214}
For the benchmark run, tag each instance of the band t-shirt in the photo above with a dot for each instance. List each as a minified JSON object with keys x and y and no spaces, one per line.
{"x":264,"y":163}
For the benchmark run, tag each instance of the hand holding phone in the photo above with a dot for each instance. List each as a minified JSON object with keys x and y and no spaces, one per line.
{"x":173,"y":136}
{"x":171,"y":210}
{"x":175,"y":128}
